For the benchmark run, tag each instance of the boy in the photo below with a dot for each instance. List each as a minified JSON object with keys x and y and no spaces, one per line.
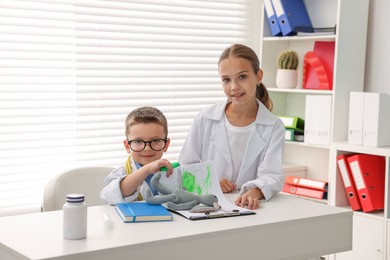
{"x":146,"y":141}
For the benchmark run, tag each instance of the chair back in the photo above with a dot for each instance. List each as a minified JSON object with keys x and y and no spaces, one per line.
{"x":84,"y":180}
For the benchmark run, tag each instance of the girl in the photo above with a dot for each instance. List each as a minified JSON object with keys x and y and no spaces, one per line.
{"x":243,"y":138}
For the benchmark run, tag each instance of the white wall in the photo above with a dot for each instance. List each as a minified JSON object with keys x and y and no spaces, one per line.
{"x":377,"y":76}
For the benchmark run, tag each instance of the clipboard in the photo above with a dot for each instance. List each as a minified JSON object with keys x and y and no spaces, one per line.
{"x":227,"y":210}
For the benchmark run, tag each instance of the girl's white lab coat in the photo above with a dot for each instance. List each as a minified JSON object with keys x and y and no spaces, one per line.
{"x":111,"y":193}
{"x":262,"y":162}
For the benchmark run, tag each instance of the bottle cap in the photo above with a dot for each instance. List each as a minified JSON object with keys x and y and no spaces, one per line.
{"x":174,"y":165}
{"x":74,"y":198}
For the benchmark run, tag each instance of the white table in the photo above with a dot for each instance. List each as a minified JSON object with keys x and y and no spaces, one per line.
{"x":283,"y":228}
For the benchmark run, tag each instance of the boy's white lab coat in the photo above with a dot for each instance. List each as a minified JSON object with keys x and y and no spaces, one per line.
{"x":262,"y":162}
{"x":111,"y":193}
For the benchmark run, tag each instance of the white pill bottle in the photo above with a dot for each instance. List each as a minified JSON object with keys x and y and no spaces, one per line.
{"x":75,"y":217}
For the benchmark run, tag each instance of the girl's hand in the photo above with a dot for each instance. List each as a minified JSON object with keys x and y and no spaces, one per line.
{"x":250,"y":199}
{"x":227,"y":186}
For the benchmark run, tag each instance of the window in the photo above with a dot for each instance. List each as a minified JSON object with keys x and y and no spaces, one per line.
{"x":72,"y":70}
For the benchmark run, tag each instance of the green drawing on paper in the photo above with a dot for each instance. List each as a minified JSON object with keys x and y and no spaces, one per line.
{"x":195,"y":183}
{"x":188,"y":181}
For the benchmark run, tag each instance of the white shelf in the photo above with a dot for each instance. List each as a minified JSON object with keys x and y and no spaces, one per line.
{"x":351,"y":20}
{"x":330,"y":37}
{"x":300,"y":91}
{"x":344,"y":146}
{"x":306,"y":198}
{"x":374,"y":215}
{"x":302,"y":144}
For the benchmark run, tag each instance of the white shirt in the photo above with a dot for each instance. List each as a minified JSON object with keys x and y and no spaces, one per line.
{"x":238,"y":139}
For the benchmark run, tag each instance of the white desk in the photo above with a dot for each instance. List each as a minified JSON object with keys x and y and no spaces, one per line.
{"x":283,"y":228}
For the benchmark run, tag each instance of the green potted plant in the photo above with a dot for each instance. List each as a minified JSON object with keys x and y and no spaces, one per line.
{"x":287,"y":73}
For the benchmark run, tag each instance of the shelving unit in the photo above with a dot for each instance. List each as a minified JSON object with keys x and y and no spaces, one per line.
{"x":370,"y":229}
{"x":351,"y":19}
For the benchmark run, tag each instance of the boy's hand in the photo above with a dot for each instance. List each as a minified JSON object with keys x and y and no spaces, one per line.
{"x":130,"y":183}
{"x":155,"y":166}
{"x":227,"y":186}
{"x":250,"y":199}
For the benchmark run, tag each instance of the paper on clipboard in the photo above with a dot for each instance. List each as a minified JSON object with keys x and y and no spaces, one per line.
{"x":201,"y":178}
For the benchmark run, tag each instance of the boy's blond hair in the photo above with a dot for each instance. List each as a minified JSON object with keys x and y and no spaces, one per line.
{"x":146,"y":115}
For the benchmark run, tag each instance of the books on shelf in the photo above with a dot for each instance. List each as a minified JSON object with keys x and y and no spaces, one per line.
{"x":307,"y":183}
{"x":349,"y":183}
{"x":294,"y":135}
{"x":306,"y":187}
{"x":312,"y":31}
{"x":272,"y":18}
{"x":304,"y":192}
{"x":142,"y":212}
{"x":293,"y":122}
{"x":294,"y":128}
{"x":369,"y":123}
{"x":286,"y":18}
{"x":291,"y":14}
{"x":318,"y":114}
{"x":363,"y":177}
{"x":368,"y":172}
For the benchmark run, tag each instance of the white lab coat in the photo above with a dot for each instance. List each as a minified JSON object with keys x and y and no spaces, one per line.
{"x":262,"y":162}
{"x":111,"y":193}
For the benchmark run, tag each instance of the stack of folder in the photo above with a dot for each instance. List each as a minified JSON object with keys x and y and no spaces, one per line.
{"x":306,"y":187}
{"x":369,"y":123}
{"x":318,"y":114}
{"x":295,"y":127}
{"x":363,"y":177}
{"x":284,"y":17}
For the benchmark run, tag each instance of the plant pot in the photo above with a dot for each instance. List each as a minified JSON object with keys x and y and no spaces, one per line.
{"x":286,"y":78}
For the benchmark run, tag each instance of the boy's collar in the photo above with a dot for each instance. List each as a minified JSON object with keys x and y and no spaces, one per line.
{"x":138,"y":165}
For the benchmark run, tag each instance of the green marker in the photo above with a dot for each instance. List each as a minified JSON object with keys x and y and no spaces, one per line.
{"x":174,"y":165}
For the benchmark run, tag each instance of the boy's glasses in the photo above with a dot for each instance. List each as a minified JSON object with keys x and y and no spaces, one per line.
{"x":155,"y":144}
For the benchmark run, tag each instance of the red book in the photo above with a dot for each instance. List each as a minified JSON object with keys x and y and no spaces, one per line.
{"x":305,"y":192}
{"x":305,"y":187}
{"x":318,"y":66}
{"x":368,"y":172}
{"x":306,"y":183}
{"x":348,"y":181}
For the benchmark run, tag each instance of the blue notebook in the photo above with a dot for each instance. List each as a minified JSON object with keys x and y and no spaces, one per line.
{"x":292,"y":14}
{"x":272,"y":18}
{"x":142,"y":212}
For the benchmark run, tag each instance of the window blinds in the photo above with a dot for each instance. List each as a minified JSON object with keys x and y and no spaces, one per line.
{"x":72,"y":70}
